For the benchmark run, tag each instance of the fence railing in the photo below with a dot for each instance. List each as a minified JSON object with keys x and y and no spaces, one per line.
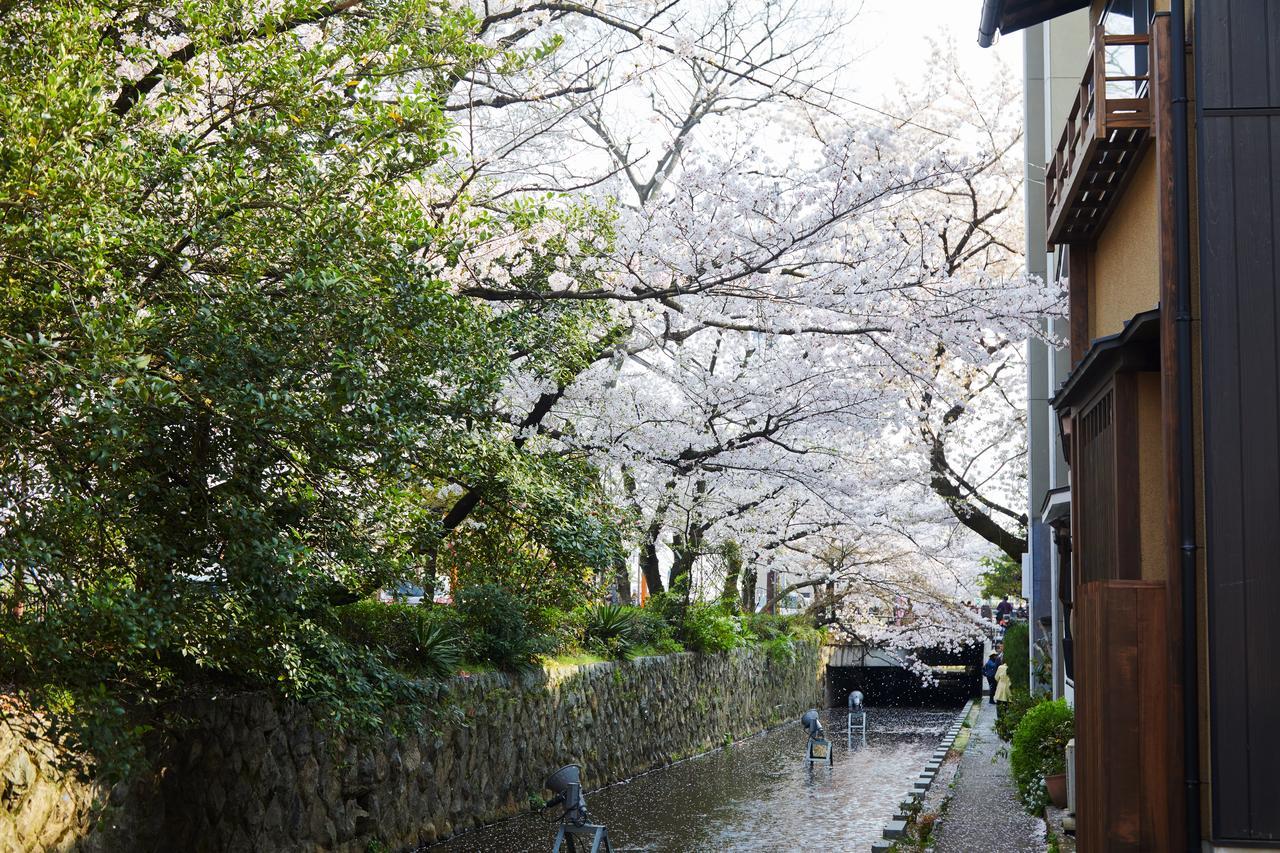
{"x":1114,"y":95}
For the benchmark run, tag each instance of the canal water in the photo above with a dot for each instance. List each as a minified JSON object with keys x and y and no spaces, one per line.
{"x":758,"y":794}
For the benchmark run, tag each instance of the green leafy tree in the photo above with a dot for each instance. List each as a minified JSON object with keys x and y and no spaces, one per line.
{"x":1017,"y":654}
{"x":233,"y":392}
{"x":1002,"y":577}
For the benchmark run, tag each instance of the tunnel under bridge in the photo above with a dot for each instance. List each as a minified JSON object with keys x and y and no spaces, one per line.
{"x":885,"y":679}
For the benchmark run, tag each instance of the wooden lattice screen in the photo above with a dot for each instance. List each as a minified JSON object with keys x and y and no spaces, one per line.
{"x":1095,"y":474}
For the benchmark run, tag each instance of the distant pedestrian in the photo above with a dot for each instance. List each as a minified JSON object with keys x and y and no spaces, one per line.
{"x":1004,"y":608}
{"x":986,"y":611}
{"x":1002,"y":687}
{"x":989,"y":670}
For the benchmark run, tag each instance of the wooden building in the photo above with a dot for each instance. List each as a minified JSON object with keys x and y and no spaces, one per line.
{"x":1162,"y":214}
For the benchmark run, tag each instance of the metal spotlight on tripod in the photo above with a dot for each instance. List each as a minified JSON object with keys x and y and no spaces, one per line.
{"x":857,"y":711}
{"x":566,"y":784}
{"x":819,"y":751}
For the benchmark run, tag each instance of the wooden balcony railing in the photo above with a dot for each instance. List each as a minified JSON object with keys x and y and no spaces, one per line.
{"x":1107,"y":129}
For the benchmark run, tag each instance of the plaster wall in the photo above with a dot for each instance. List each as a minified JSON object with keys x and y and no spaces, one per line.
{"x":1125,"y":279}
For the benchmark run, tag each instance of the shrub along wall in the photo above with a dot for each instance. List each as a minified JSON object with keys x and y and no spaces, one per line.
{"x":252,"y":775}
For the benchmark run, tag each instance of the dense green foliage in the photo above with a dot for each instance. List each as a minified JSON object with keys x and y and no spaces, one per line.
{"x":499,"y":628}
{"x":1038,"y":750}
{"x":668,"y":606}
{"x":1012,"y":712}
{"x":1017,"y":654}
{"x":622,"y":632}
{"x":653,"y":631}
{"x":770,"y":626}
{"x":611,"y":630}
{"x":491,"y":628}
{"x":240,"y":394}
{"x":417,"y":640}
{"x":233,"y":396}
{"x":709,"y":628}
{"x":717,"y":627}
{"x":1002,"y":576}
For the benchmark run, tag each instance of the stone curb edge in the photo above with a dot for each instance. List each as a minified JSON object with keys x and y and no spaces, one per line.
{"x":897,"y":826}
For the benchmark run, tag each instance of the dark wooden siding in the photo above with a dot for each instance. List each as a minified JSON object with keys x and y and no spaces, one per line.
{"x":1122,"y":719}
{"x":1106,"y":476}
{"x":1096,"y":479}
{"x":1237,"y":60}
{"x":1162,"y":67}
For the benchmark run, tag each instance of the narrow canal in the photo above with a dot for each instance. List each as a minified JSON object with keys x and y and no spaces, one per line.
{"x":755,"y":795}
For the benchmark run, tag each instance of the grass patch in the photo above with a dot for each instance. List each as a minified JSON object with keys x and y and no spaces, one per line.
{"x":575,"y":658}
{"x":966,"y":731}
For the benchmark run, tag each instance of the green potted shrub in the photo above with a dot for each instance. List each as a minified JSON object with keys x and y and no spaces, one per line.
{"x":1039,"y":753}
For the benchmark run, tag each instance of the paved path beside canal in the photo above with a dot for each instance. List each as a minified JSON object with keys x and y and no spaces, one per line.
{"x":984,"y":813}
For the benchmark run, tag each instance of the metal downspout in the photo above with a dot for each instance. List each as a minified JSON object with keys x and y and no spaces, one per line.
{"x":1186,"y":443}
{"x":987,"y":24}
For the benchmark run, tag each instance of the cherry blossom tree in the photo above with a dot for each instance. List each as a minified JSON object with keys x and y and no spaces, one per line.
{"x":818,"y":303}
{"x":311,"y":297}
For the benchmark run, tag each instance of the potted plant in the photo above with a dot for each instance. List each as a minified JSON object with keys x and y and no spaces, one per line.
{"x":1056,"y":783}
{"x":1038,"y":758}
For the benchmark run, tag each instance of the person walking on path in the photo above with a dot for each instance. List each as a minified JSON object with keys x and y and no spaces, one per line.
{"x":989,"y":670}
{"x":1002,"y":687}
{"x":1004,"y":609}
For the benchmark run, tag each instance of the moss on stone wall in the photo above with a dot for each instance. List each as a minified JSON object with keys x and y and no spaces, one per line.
{"x":254,"y":775}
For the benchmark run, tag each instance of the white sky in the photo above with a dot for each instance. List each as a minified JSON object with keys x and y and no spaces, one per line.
{"x":893,"y":38}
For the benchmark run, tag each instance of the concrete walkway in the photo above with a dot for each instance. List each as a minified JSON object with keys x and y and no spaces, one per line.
{"x":984,"y":812}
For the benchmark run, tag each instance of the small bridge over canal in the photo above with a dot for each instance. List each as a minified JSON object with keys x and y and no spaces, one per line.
{"x":885,"y":678}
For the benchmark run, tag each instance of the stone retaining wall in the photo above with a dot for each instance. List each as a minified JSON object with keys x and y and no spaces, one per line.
{"x":254,"y":775}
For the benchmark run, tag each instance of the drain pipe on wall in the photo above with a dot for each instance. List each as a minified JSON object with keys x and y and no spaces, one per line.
{"x":987,"y":24}
{"x":1186,"y":439}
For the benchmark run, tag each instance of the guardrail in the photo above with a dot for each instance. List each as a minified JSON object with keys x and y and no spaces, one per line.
{"x":1108,"y":120}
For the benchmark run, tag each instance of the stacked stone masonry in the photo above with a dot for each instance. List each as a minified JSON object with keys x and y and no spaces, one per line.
{"x":252,"y":775}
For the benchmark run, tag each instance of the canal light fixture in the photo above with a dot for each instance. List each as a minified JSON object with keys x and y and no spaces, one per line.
{"x":859,"y":713}
{"x":809,"y":719}
{"x":819,"y":748}
{"x":566,"y":784}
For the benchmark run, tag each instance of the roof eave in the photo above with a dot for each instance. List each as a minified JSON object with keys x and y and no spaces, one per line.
{"x":1135,"y":347}
{"x":1009,"y":16}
